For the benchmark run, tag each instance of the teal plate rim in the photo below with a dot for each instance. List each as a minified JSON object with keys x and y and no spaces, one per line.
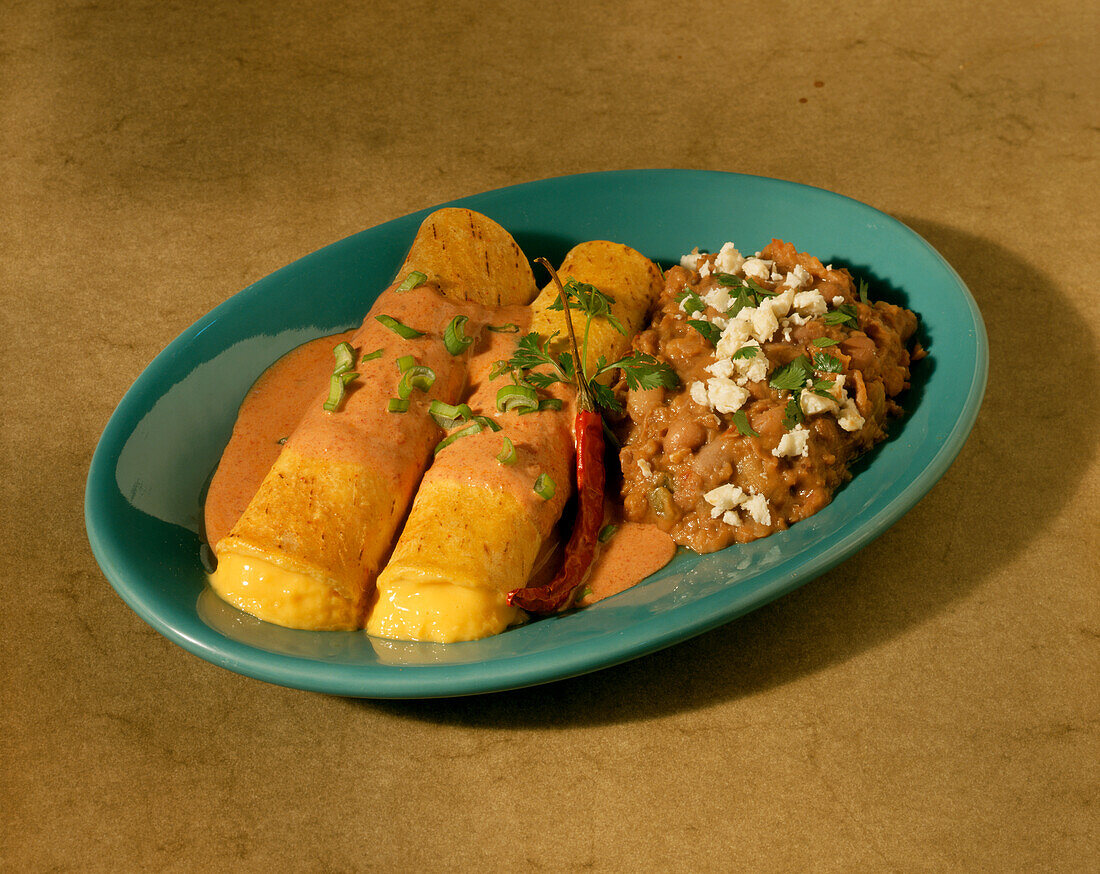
{"x":159,"y":447}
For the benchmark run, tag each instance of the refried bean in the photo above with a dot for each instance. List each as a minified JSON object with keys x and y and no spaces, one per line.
{"x":744,"y":446}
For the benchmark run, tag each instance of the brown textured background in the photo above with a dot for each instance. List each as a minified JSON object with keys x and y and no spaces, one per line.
{"x":932,"y":704}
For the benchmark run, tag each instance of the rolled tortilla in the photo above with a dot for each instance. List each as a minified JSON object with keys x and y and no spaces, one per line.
{"x":306,"y":550}
{"x":476,"y":526}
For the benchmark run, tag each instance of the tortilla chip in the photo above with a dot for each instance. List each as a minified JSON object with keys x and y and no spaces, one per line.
{"x":470,"y":257}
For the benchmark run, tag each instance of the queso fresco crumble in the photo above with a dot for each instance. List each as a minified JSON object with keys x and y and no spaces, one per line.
{"x":787,"y":372}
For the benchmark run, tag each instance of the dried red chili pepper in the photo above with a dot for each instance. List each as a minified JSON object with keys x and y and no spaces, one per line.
{"x":579,"y":552}
{"x":588,"y":436}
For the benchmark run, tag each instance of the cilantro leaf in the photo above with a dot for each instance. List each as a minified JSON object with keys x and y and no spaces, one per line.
{"x":691,"y":301}
{"x":843,"y":314}
{"x":822,"y":342}
{"x":710,"y":332}
{"x":604,"y":397}
{"x":826,"y":363}
{"x":823,"y":387}
{"x":791,"y":376}
{"x":793,"y":414}
{"x":745,"y":352}
{"x":741,"y":421}
{"x":863,"y":291}
{"x":591,"y":301}
{"x":643,"y":371}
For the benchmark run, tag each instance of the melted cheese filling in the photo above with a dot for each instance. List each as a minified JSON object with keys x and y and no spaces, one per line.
{"x":284,"y":597}
{"x":411,"y":608}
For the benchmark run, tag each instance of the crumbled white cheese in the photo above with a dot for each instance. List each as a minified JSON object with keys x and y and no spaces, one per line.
{"x":849,"y":418}
{"x":754,"y":369}
{"x":810,"y":303}
{"x":718,"y":298}
{"x":725,"y":497}
{"x":736,"y":332}
{"x":838,"y":300}
{"x":719,"y":322}
{"x":704,"y":269}
{"x":698,"y":393}
{"x":722,"y":367}
{"x":725,"y":395}
{"x":757,"y":507}
{"x":776,"y":275}
{"x":798,"y":278}
{"x":691,"y":260}
{"x":781,"y":304}
{"x":813,"y":403}
{"x":729,"y":260}
{"x":758,"y":269}
{"x":764,"y":322}
{"x":730,"y":517}
{"x":794,"y":442}
{"x":645,"y":468}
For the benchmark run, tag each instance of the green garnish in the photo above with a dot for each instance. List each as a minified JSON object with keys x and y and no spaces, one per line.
{"x":845,"y":314}
{"x":454,"y":337}
{"x":521,"y":398}
{"x":447,"y":416}
{"x":370,"y":356}
{"x":591,"y":301}
{"x":336,"y":389}
{"x":507,"y":453}
{"x":741,"y":421}
{"x":281,"y":441}
{"x":405,"y":362}
{"x":691,"y":301}
{"x":466,"y":431}
{"x":791,"y":376}
{"x":398,"y":405}
{"x":822,"y":342}
{"x":418,"y":376}
{"x":823,"y":387}
{"x":826,"y":363}
{"x":486,"y":422}
{"x":345,"y":357}
{"x":550,"y":404}
{"x":792,"y":415}
{"x":606,"y":533}
{"x":544,"y":487}
{"x":711,"y":333}
{"x":745,"y":352}
{"x":413,"y":280}
{"x":510,"y":328}
{"x":863,"y":291}
{"x":398,"y":328}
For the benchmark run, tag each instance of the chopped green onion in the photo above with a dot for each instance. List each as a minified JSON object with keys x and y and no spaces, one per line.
{"x":510,"y":328}
{"x":417,"y":376}
{"x":447,"y":416}
{"x":336,"y":390}
{"x":399,"y":329}
{"x":370,"y":356}
{"x":466,"y":431}
{"x":822,"y":342}
{"x":281,"y":441}
{"x":544,"y":487}
{"x":345,"y":358}
{"x":398,"y":405}
{"x":518,"y":398}
{"x":507,"y":452}
{"x":486,"y":422}
{"x":413,"y":280}
{"x":550,"y":404}
{"x":454,"y":337}
{"x":606,"y":533}
{"x":863,"y":291}
{"x":405,"y":362}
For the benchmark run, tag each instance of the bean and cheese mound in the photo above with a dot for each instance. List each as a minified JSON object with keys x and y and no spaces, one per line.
{"x":787,"y":372}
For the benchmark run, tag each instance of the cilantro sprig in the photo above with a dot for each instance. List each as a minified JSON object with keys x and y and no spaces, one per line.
{"x":534,"y":362}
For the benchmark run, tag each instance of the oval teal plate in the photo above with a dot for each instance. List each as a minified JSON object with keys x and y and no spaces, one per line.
{"x":145,"y":485}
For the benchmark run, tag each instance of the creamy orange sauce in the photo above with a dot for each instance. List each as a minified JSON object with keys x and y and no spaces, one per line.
{"x":269,"y":413}
{"x":634,"y":552}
